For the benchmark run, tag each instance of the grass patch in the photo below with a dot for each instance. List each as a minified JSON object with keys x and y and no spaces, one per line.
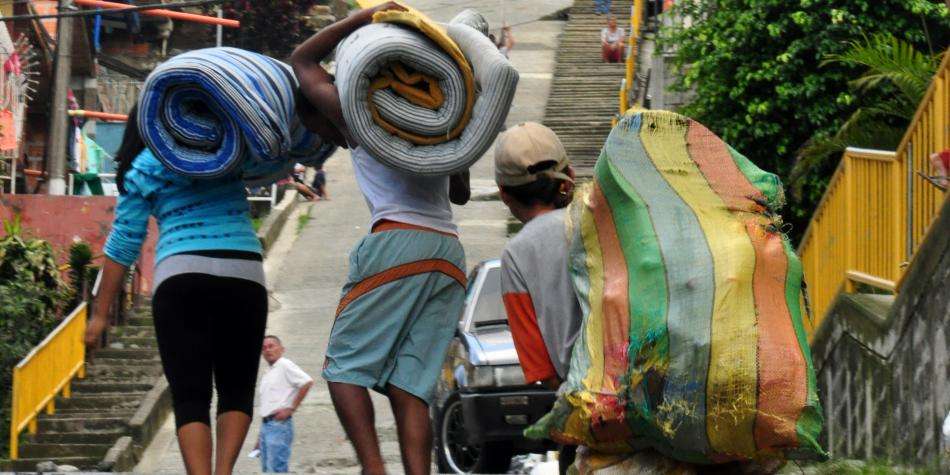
{"x":302,"y":221}
{"x":256,"y":223}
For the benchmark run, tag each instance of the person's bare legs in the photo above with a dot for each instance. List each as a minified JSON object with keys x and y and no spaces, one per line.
{"x":194,"y":440}
{"x":231,"y":430}
{"x":355,"y":410}
{"x":415,"y":433}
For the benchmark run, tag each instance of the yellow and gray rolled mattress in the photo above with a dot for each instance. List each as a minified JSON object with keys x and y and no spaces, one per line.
{"x":421,"y":97}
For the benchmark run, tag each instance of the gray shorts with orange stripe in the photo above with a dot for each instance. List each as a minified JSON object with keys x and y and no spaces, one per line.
{"x":399,"y":310}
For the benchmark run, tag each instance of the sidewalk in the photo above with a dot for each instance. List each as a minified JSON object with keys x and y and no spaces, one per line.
{"x":306,"y":274}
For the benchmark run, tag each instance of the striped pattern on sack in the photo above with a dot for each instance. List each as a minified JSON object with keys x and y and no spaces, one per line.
{"x":692,"y":340}
{"x":422,"y":98}
{"x":209,"y":112}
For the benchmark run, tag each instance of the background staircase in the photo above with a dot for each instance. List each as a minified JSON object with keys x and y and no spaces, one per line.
{"x":584,"y":95}
{"x":87,"y":425}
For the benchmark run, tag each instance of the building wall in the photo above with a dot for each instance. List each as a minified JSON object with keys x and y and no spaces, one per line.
{"x":884,"y":379}
{"x":62,"y":220}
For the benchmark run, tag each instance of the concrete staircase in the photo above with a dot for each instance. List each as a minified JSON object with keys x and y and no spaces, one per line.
{"x":109,"y":417}
{"x":585,"y":91}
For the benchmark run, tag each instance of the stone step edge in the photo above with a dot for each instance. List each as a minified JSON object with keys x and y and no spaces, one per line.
{"x":149,"y":417}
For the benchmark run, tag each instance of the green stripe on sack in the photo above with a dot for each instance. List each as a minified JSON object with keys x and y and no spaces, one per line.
{"x":809,"y":422}
{"x":768,"y":183}
{"x":646,"y":278}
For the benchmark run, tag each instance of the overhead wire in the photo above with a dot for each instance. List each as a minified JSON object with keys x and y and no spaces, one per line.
{"x":131,"y":8}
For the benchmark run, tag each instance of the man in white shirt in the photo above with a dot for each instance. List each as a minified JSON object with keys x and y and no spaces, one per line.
{"x":282,"y":388}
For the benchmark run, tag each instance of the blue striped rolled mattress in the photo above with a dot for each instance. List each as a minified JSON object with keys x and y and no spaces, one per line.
{"x":215,"y":111}
{"x":377,"y":46}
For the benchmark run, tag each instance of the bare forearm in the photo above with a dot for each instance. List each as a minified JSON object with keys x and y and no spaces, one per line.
{"x":112,"y":276}
{"x":301,"y":394}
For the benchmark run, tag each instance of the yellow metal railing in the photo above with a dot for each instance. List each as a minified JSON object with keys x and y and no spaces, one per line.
{"x":47,"y":371}
{"x":877,"y":209}
{"x":636,"y":21}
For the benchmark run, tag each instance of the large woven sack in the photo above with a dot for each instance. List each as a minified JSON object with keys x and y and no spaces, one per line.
{"x":692,"y":340}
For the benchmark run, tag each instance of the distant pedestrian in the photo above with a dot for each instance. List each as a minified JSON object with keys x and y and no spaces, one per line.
{"x":602,"y":7}
{"x":506,"y":41}
{"x":282,"y":389}
{"x":612,"y":42}
{"x":320,"y":183}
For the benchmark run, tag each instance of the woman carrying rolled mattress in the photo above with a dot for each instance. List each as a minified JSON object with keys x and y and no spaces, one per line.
{"x":209,"y":302}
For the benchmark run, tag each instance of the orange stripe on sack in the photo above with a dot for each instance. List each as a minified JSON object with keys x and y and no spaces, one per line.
{"x":616,"y":299}
{"x":401,"y":272}
{"x":782,"y":388}
{"x":721,"y":172}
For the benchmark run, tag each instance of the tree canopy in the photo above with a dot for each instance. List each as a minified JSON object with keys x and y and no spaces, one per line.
{"x":761,"y":80}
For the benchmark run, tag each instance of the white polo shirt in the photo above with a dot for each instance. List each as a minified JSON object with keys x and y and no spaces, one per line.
{"x":279,"y":386}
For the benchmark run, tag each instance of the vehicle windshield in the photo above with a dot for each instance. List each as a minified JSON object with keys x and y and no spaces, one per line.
{"x":489,"y":309}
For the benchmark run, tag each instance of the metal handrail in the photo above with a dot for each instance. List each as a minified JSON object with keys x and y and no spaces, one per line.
{"x":878,"y":208}
{"x":636,"y":21}
{"x":46,"y":371}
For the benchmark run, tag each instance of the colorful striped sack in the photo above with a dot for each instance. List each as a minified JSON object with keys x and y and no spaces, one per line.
{"x":692,"y":341}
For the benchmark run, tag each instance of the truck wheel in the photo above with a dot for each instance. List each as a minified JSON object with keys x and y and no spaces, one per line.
{"x":454,"y":454}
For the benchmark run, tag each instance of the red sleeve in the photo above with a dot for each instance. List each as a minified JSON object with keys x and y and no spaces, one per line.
{"x":533,"y":355}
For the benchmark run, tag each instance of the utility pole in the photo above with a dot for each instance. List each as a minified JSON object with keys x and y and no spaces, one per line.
{"x":59,"y":120}
{"x":220,"y":34}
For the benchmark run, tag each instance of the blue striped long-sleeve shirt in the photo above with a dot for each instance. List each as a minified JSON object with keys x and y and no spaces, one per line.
{"x":192,"y":215}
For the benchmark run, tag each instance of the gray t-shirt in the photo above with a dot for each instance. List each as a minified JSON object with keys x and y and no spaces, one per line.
{"x":543,"y":311}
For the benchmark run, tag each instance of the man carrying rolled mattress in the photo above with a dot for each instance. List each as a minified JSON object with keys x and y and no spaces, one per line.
{"x":406,"y":282}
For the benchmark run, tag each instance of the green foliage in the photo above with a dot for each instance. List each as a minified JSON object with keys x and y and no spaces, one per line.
{"x":32,"y":298}
{"x":756,"y":69}
{"x":80,"y":255}
{"x":271,"y":27}
{"x":896,"y":73}
{"x":302,"y":221}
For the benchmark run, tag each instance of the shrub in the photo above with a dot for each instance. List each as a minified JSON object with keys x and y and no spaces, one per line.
{"x":33,"y":297}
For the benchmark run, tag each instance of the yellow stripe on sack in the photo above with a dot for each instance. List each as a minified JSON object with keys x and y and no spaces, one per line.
{"x":421,"y":23}
{"x":594,"y":380}
{"x":732,"y":378}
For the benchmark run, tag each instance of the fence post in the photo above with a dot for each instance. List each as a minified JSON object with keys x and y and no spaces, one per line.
{"x":909,"y":193}
{"x":849,"y":254}
{"x":14,"y":419}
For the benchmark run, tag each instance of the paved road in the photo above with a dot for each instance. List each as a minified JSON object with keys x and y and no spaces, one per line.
{"x":306,"y":271}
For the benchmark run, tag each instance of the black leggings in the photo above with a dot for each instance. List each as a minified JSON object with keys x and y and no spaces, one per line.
{"x":209,"y":327}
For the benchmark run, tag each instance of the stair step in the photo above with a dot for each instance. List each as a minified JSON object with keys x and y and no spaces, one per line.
{"x":97,"y":437}
{"x":100,"y":370}
{"x":72,"y":423}
{"x":128,"y":353}
{"x":55,"y":451}
{"x":141,"y":342}
{"x":100,"y":400}
{"x":101,"y":361}
{"x":138,"y":331}
{"x":140,"y":322}
{"x":124,"y":413}
{"x":29,"y":464}
{"x":86,"y":386}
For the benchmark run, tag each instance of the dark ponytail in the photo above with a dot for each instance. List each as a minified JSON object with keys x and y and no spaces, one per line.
{"x":131,"y":146}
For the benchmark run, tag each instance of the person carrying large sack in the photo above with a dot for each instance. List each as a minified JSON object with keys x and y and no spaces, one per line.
{"x":691,"y":350}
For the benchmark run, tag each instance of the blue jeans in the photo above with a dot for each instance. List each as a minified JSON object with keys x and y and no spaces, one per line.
{"x":276,"y":439}
{"x":602,"y":6}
